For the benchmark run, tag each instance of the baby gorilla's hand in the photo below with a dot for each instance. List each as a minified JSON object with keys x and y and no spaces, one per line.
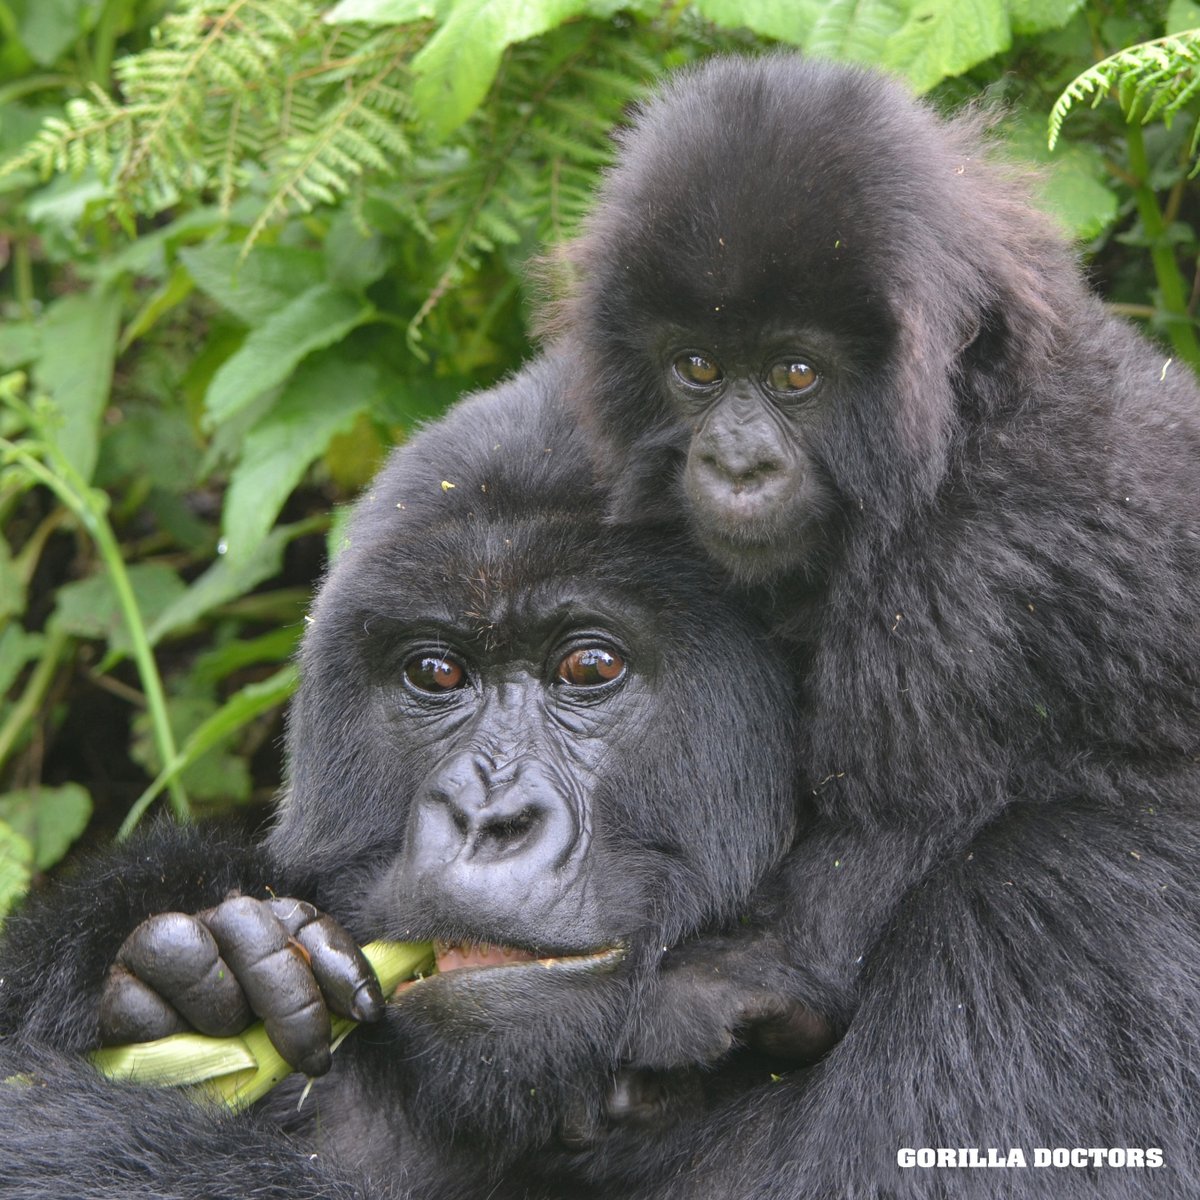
{"x":281,"y":959}
{"x":715,"y":994}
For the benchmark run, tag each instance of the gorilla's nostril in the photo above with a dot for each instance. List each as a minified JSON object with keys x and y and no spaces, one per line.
{"x":508,"y":832}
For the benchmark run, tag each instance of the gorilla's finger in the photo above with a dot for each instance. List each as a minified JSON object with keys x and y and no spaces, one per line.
{"x":274,"y":972}
{"x":780,"y":1026}
{"x":175,"y":955}
{"x":132,"y":1011}
{"x":345,"y":977}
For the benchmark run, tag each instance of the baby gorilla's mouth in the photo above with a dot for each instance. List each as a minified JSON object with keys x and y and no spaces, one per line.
{"x":464,"y":956}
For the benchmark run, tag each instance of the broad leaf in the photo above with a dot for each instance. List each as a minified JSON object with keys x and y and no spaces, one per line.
{"x":322,"y":398}
{"x":928,"y":40}
{"x":49,"y":27}
{"x":787,"y":20}
{"x":317,"y":318}
{"x":16,"y":649}
{"x":89,"y":608}
{"x":225,"y":581}
{"x":79,"y":338}
{"x":12,"y":587}
{"x":388,"y":12}
{"x":455,"y":68}
{"x":16,"y":863}
{"x":256,"y":287}
{"x":48,"y":818}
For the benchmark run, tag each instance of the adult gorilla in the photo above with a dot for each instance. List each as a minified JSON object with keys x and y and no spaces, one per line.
{"x":516,"y":727}
{"x":820,"y":325}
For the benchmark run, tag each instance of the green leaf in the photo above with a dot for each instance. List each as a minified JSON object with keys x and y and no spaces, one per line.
{"x":455,"y":68}
{"x":943,"y":38}
{"x":926,"y":40}
{"x":16,"y":649}
{"x":79,"y":339}
{"x":217,"y":777}
{"x":1040,"y":16}
{"x":12,"y":587}
{"x":322,"y":398}
{"x":855,"y":30}
{"x":16,"y":863}
{"x":1182,"y":15}
{"x":276,"y":646}
{"x":225,"y":581}
{"x":221,"y":777}
{"x":387,"y":12}
{"x":89,"y":607}
{"x":48,"y":818}
{"x":48,"y":27}
{"x":20,"y":343}
{"x":315,"y":319}
{"x":152,"y":442}
{"x":172,"y":292}
{"x":353,"y":261}
{"x":239,"y":710}
{"x":338,"y":538}
{"x":254,"y":288}
{"x":1071,"y":185}
{"x":788,"y":20}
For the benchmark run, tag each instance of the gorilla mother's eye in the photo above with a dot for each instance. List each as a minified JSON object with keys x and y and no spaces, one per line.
{"x":431,"y":673}
{"x":590,"y":666}
{"x":791,"y":377}
{"x":697,"y":370}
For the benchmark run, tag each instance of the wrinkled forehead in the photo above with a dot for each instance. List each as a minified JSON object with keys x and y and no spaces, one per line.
{"x":496,"y":580}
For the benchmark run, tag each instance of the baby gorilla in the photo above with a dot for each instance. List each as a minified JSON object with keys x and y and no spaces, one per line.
{"x":818,"y":326}
{"x":518,"y":727}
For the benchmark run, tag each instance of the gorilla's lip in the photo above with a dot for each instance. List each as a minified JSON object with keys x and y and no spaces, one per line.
{"x":476,"y":956}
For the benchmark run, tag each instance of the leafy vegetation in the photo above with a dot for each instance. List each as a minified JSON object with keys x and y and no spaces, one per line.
{"x":246,"y":245}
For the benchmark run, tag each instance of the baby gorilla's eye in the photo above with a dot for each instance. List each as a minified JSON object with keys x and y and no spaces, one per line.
{"x":590,"y":667}
{"x":429,"y":673}
{"x":791,"y":376}
{"x":696,"y":370}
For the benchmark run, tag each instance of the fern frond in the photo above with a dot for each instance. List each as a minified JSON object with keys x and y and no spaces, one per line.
{"x":535,"y":151}
{"x":216,"y":48}
{"x":200,"y":101}
{"x":362,"y":132}
{"x":1152,"y":80}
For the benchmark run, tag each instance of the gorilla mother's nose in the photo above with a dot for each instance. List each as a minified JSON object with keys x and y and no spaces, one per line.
{"x":475,"y":814}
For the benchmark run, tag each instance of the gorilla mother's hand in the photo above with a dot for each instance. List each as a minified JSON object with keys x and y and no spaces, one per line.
{"x":280,"y":959}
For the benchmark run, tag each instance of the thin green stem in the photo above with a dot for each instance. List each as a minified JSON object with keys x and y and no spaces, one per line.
{"x":36,"y":687}
{"x":1180,"y":329}
{"x":89,"y":505}
{"x":23,"y":274}
{"x":105,"y":41}
{"x":19,"y":88}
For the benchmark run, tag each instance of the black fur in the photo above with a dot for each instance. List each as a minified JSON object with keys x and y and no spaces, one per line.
{"x":994,"y":611}
{"x":679,"y":778}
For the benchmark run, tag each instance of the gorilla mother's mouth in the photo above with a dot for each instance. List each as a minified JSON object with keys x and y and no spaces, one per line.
{"x":473,"y":956}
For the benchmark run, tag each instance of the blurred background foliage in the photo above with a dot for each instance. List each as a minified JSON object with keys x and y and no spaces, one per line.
{"x":247,"y":245}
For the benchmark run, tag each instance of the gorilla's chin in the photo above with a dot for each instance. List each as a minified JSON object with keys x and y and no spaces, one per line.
{"x":753,"y":551}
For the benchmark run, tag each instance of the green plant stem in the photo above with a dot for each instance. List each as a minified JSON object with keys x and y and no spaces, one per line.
{"x":105,"y":40}
{"x":1180,"y":329}
{"x":20,"y":88}
{"x":23,"y":274}
{"x":36,"y":687}
{"x":88,"y":506}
